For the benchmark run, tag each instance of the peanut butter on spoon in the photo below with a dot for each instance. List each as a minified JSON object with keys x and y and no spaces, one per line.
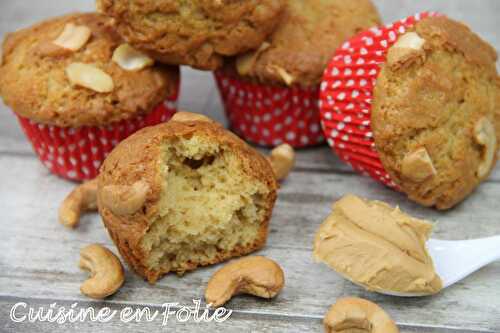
{"x":377,"y":247}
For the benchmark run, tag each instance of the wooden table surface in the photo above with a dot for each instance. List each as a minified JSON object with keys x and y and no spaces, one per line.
{"x":38,"y":257}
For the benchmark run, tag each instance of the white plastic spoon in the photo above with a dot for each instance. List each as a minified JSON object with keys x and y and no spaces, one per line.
{"x":455,"y":260}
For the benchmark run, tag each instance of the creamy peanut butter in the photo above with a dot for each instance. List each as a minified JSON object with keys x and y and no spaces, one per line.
{"x":378,"y":247}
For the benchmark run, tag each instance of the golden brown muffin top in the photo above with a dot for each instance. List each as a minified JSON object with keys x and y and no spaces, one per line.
{"x":196,"y":33}
{"x":305,"y":40}
{"x":434,"y":112}
{"x":35,"y":82}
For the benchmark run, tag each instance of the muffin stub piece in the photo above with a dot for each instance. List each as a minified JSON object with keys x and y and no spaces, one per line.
{"x":298,"y":51}
{"x":435,"y":112}
{"x":196,"y":33}
{"x":185,"y":194}
{"x":378,"y":247}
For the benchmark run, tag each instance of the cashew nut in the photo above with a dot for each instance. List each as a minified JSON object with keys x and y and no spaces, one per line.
{"x":288,"y":78}
{"x":485,"y":135}
{"x":47,"y":48}
{"x":125,"y":199}
{"x":90,"y":77}
{"x":408,"y":47}
{"x":352,"y":314}
{"x":189,"y":116}
{"x":256,"y":276}
{"x":83,"y":198}
{"x":410,"y":40}
{"x":246,"y":62}
{"x":418,"y":166}
{"x":282,"y":160}
{"x":130,"y":59}
{"x":106,"y":271}
{"x":73,"y":37}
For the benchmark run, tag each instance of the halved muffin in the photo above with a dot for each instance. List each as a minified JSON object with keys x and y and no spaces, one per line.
{"x":185,"y":194}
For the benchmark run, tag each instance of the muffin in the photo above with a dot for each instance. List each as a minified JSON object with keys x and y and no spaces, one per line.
{"x":415,"y":105}
{"x":271,"y":95}
{"x":196,"y":33}
{"x":78,"y":90}
{"x":185,"y":194}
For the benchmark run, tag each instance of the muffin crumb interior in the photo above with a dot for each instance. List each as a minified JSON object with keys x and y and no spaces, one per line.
{"x":208,"y":206}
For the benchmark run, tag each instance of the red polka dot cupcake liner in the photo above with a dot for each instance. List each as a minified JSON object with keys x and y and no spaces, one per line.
{"x":271,"y":115}
{"x":77,"y":153}
{"x":346,"y":95}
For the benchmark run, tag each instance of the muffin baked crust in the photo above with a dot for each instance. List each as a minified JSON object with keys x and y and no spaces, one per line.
{"x":298,"y":51}
{"x":142,"y":157}
{"x":196,"y":33}
{"x":34,"y":82}
{"x":428,"y":108}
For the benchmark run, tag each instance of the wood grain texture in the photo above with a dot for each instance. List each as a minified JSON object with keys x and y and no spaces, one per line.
{"x":40,"y":261}
{"x":38,"y":257}
{"x":238,"y":322}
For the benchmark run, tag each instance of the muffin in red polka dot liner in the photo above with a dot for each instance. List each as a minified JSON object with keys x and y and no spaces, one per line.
{"x":76,"y":153}
{"x":78,"y":90}
{"x":412,"y":105}
{"x":271,"y":95}
{"x":270,"y":116}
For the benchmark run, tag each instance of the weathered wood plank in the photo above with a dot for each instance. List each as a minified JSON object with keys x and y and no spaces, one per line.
{"x":238,"y":322}
{"x":38,"y":257}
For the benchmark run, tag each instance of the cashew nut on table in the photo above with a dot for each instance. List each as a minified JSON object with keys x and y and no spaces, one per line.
{"x":106,"y":271}
{"x":82,"y":199}
{"x":258,"y":276}
{"x":282,"y":160}
{"x":353,"y":314}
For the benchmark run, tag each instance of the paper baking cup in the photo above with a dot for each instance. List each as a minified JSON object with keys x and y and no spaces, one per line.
{"x":77,"y":153}
{"x":271,"y":115}
{"x":346,"y":95}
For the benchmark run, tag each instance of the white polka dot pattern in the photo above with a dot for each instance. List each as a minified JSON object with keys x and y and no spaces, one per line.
{"x":77,"y":153}
{"x":347,"y":92}
{"x":270,"y":116}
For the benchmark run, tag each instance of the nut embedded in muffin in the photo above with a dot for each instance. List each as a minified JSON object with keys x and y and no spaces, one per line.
{"x":77,"y":93}
{"x":195,"y":33}
{"x":197,"y":195}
